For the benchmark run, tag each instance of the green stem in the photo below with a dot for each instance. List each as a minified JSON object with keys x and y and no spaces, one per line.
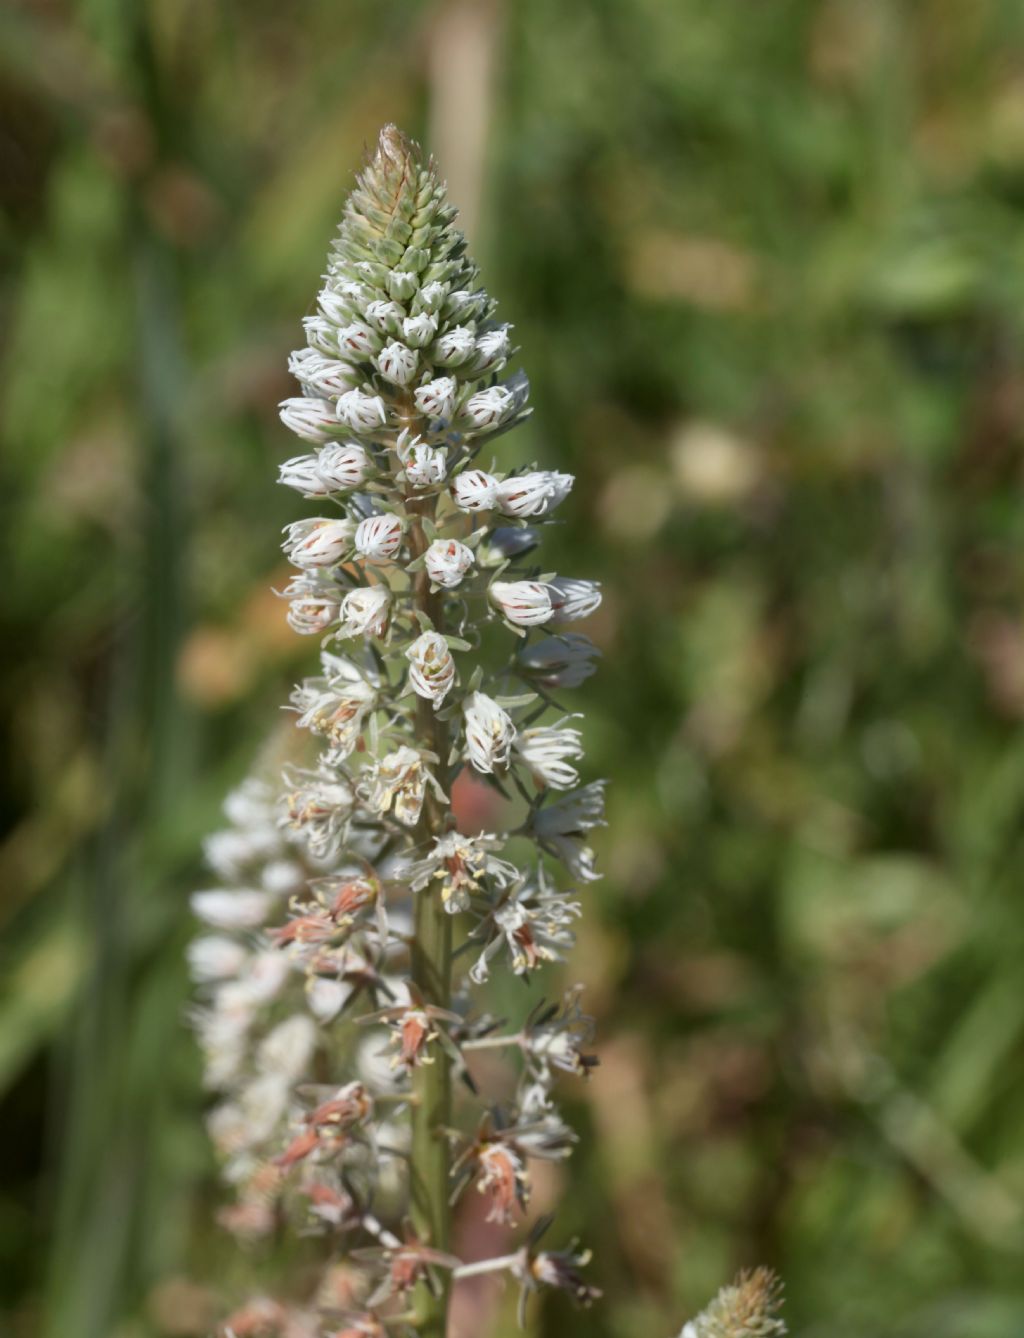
{"x":431,"y":973}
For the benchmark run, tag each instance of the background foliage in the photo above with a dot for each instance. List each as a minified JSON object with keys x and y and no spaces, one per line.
{"x":766,"y":265}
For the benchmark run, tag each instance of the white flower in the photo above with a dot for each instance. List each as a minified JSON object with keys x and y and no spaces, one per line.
{"x":432,"y":668}
{"x":361,"y":412}
{"x":561,"y":827}
{"x":328,"y":377}
{"x":432,"y":295}
{"x":303,"y":363}
{"x":240,"y":908}
{"x":313,"y":606}
{"x":454,"y":348}
{"x":262,"y":1103}
{"x":317,"y":805}
{"x":318,"y":542}
{"x":534,"y":923}
{"x":214,"y":957}
{"x":326,"y":997}
{"x":366,"y":612}
{"x":401,"y":284}
{"x":250,"y":805}
{"x":525,"y":603}
{"x":288,"y":1048}
{"x":447,"y":561}
{"x":492,"y":350}
{"x":534,"y":494}
{"x":282,"y":877}
{"x":460,"y":863}
{"x":473,"y":490}
{"x":343,"y":467}
{"x":260,"y":982}
{"x":311,"y":419}
{"x":321,"y":336}
{"x":425,"y":466}
{"x":437,"y":398}
{"x":462,"y":303}
{"x":358,"y":340}
{"x":252,"y":837}
{"x":321,"y":377}
{"x":400,"y":779}
{"x":335,"y":705}
{"x":573,"y":599}
{"x":397,"y":363}
{"x":419,"y":330}
{"x":301,"y":473}
{"x":384,"y":316}
{"x":335,"y":306}
{"x":487,"y":408}
{"x":379,"y":538}
{"x":489,"y":732}
{"x":545,"y":750}
{"x":563,"y":661}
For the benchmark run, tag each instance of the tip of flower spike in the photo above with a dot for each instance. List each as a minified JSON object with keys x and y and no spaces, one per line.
{"x":395,"y":159}
{"x":396,"y":147}
{"x":749,"y":1308}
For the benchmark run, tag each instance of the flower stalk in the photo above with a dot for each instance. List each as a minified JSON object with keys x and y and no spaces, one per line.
{"x":429,"y":1165}
{"x":335,"y":1019}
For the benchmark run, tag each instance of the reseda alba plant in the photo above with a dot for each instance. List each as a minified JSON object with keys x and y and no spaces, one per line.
{"x":355,"y":920}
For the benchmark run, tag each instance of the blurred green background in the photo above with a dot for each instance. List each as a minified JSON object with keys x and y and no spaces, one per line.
{"x":765,"y":259}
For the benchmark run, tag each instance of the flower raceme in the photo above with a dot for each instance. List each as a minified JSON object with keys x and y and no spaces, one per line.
{"x":337,"y":903}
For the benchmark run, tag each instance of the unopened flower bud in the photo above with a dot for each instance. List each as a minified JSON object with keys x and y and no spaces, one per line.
{"x":487,"y":408}
{"x":546,"y":751}
{"x":321,"y":335}
{"x":344,"y":467}
{"x":366,"y":612}
{"x":533,"y":494}
{"x":447,"y":561}
{"x":334,"y":306}
{"x":431,"y":667}
{"x":432,"y":295}
{"x":313,"y":606}
{"x":379,"y":538}
{"x":573,"y":599}
{"x":384,"y":316}
{"x":418,"y":331}
{"x":318,"y":542}
{"x":361,"y":412}
{"x":301,"y":473}
{"x":489,"y":732}
{"x":462,"y":304}
{"x":401,"y":284}
{"x":397,"y":363}
{"x":425,"y":466}
{"x":437,"y":398}
{"x":525,"y":603}
{"x":311,"y":419}
{"x":492,"y":350}
{"x":455,"y":347}
{"x":473,"y":490}
{"x":358,"y":340}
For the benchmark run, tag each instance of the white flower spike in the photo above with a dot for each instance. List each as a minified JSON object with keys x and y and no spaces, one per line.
{"x":325,"y":965}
